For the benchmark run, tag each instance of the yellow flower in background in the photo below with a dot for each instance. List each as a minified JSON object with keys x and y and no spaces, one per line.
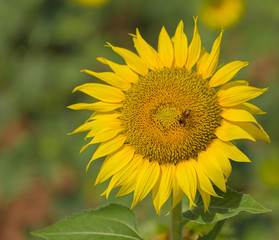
{"x":165,"y":119}
{"x":221,"y":13}
{"x":93,"y":3}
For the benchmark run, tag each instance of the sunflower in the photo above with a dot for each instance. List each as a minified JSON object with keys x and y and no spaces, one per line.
{"x":166,"y":119}
{"x":218,"y":13}
{"x":93,"y":3}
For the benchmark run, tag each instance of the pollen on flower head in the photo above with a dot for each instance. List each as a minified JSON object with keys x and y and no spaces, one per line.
{"x":152,"y":112}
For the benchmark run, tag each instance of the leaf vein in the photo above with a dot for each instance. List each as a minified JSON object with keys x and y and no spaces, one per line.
{"x":92,"y":233}
{"x":117,"y":220}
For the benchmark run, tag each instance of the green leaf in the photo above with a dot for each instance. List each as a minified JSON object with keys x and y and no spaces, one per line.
{"x":214,"y":231}
{"x":110,"y":222}
{"x":229,"y":205}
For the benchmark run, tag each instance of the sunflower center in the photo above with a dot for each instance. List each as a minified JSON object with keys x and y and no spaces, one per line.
{"x":170,"y":115}
{"x":166,"y":115}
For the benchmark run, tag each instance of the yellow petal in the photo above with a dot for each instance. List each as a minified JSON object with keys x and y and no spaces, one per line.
{"x":165,"y":186}
{"x":240,"y":130}
{"x":212,"y":169}
{"x":155,"y":191}
{"x":101,"y":125}
{"x":86,"y":146}
{"x":250,"y":108}
{"x":231,"y":151}
{"x":115,"y":162}
{"x":131,"y":59}
{"x":203,"y":180}
{"x":238,"y":115}
{"x":224,"y":162}
{"x":82,"y":128}
{"x":194,"y":48}
{"x":147,"y":53}
{"x":106,"y":134}
{"x":187,"y":180}
{"x":122,"y":70}
{"x":205,"y":198}
{"x":124,"y":176}
{"x":102,"y":92}
{"x":128,"y":186}
{"x":177,"y":193}
{"x":92,"y":125}
{"x":112,"y":184}
{"x":111,"y":78}
{"x":256,"y":131}
{"x":220,"y":158}
{"x":166,"y":183}
{"x":97,"y":106}
{"x":105,"y":116}
{"x":226,"y":73}
{"x":234,"y":84}
{"x":104,"y":123}
{"x":238,"y":94}
{"x":102,"y":136}
{"x":180,"y":45}
{"x":210,"y":65}
{"x":165,"y":48}
{"x":229,"y":131}
{"x":203,"y":58}
{"x":147,"y":177}
{"x":130,"y":182}
{"x":108,"y":147}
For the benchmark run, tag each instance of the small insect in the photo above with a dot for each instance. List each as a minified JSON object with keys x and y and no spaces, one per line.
{"x":185,"y":115}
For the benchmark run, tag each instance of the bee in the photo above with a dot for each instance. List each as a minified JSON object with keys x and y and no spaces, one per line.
{"x":184,"y":116}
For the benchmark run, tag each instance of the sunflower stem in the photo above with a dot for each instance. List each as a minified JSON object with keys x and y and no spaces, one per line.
{"x":177,"y":223}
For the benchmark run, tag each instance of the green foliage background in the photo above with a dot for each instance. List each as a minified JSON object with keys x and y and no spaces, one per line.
{"x":43,"y":46}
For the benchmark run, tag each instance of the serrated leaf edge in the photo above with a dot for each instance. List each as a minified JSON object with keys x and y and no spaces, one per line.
{"x":38,"y":233}
{"x":236,"y":213}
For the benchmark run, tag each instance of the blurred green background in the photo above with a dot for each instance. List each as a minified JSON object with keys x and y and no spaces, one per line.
{"x":43,"y":46}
